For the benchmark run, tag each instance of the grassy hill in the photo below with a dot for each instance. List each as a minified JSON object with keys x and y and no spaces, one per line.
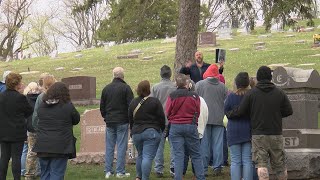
{"x":98,"y":63}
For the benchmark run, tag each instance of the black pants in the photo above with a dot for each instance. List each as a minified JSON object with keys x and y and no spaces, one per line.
{"x":11,"y":150}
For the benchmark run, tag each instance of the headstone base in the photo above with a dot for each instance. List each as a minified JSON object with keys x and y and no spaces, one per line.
{"x":89,"y":158}
{"x":303,"y":163}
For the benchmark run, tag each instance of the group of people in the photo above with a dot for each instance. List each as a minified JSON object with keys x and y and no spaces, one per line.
{"x":190,"y":112}
{"x":38,"y":119}
{"x":36,"y":124}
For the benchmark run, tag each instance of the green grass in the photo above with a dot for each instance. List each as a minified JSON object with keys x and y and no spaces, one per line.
{"x":98,"y":63}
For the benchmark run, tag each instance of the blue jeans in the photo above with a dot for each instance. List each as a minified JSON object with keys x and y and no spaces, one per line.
{"x":212,"y":144}
{"x":53,"y":168}
{"x":147,"y":144}
{"x":241,"y":161}
{"x":117,"y":134}
{"x":23,"y":158}
{"x":159,"y":159}
{"x":186,"y":136}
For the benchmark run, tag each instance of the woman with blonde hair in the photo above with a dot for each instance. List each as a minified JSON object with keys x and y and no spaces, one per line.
{"x":29,"y":159}
{"x":47,"y":81}
{"x":14,"y":109}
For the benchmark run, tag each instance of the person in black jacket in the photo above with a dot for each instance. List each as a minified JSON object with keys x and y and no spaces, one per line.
{"x":55,"y":140}
{"x":197,"y":69}
{"x":14,"y":109}
{"x":114,"y":103}
{"x":147,"y":121}
{"x":266,"y":105}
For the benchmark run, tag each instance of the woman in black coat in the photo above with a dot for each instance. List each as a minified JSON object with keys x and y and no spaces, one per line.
{"x":14,"y":109}
{"x":55,"y":141}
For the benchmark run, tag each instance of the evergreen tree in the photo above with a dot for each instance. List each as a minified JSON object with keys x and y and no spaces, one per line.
{"x":137,"y":20}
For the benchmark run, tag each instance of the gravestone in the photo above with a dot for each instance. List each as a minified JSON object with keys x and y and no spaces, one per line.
{"x":147,"y":58}
{"x":224,"y":31}
{"x":54,"y":54}
{"x":128,"y":56}
{"x":82,"y":89}
{"x":93,"y":142}
{"x":207,"y":38}
{"x":300,"y":131}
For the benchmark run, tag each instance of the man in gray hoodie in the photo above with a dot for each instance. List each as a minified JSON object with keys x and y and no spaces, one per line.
{"x":214,"y":93}
{"x":161,"y":91}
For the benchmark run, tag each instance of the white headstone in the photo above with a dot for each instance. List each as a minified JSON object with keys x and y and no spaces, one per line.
{"x":224,"y":31}
{"x":318,"y":27}
{"x":54,"y":54}
{"x":106,"y":47}
{"x":78,"y":55}
{"x":290,"y":30}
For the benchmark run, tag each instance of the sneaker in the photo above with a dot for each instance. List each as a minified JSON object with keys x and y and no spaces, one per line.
{"x":159,"y":174}
{"x":172,"y":172}
{"x":217,"y":172}
{"x":108,"y":175}
{"x":120,"y":175}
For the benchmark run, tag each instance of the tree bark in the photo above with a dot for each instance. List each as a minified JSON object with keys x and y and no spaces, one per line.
{"x":187,"y":32}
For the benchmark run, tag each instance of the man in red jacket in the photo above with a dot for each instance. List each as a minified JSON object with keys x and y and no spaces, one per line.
{"x":183,"y":109}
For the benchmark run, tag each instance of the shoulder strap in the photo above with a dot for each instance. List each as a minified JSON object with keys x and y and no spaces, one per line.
{"x":139,"y":105}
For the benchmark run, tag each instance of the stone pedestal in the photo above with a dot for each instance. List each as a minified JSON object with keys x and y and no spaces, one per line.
{"x":303,"y":163}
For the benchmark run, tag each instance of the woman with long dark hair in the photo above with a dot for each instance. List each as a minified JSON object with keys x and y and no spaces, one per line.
{"x":55,"y":141}
{"x":14,"y":109}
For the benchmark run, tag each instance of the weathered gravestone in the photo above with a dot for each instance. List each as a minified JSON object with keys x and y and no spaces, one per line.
{"x":225,"y":31}
{"x":82,"y":89}
{"x":93,"y":140}
{"x":207,"y":38}
{"x":300,"y":131}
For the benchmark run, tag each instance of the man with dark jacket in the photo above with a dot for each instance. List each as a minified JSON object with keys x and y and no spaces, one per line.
{"x":266,"y":105}
{"x":114,"y":104}
{"x":197,"y":69}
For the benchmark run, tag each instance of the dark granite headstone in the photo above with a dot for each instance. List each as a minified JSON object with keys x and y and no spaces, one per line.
{"x":207,"y":38}
{"x":82,"y":89}
{"x":300,"y":131}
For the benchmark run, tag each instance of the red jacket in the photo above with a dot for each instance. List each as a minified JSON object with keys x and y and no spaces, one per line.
{"x":183,"y":106}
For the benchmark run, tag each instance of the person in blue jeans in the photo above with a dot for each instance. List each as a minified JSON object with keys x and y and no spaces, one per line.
{"x":239,"y":133}
{"x":114,"y":104}
{"x":55,"y":140}
{"x":183,"y":110}
{"x":147,"y":122}
{"x":214,"y":93}
{"x":161,"y":91}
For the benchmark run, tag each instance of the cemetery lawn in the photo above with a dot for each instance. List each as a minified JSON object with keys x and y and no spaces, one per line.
{"x":98,"y":63}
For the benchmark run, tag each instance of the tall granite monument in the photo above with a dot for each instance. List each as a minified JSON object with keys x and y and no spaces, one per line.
{"x":300,"y":131}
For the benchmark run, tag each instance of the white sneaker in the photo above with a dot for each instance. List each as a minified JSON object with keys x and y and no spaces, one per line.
{"x":108,"y":175}
{"x":120,"y":175}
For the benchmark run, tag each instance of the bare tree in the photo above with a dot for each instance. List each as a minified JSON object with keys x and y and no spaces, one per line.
{"x":38,"y":35}
{"x":79,"y":25}
{"x":13,"y":14}
{"x":217,"y":12}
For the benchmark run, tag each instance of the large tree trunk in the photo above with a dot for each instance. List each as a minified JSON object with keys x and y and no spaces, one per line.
{"x":187,"y":32}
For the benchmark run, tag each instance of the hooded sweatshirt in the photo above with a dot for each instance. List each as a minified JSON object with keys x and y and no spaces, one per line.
{"x":266,"y":105}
